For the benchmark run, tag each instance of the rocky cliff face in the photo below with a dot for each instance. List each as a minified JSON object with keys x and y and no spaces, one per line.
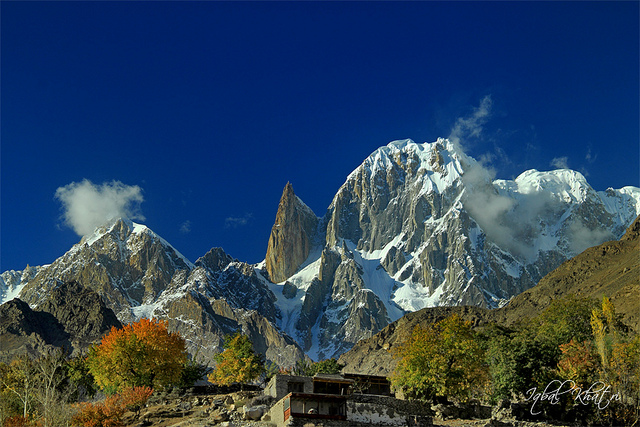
{"x":292,"y":236}
{"x":71,"y":316}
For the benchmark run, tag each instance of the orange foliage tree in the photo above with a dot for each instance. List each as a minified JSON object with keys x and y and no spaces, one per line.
{"x":143,"y":353}
{"x":578,"y":363}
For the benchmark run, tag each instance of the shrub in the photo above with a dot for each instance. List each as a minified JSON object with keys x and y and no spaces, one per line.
{"x":16,"y":421}
{"x":109,"y":412}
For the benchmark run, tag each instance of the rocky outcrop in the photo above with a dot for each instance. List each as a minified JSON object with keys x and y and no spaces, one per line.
{"x":236,"y":282}
{"x":312,"y":307}
{"x":72,"y":317}
{"x":292,"y":236}
{"x":24,"y":331}
{"x":125,"y":263}
{"x":81,"y":312}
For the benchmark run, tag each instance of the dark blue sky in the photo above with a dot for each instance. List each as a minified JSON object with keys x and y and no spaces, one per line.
{"x":211,"y":107}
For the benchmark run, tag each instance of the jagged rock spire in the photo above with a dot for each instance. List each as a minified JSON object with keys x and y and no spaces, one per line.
{"x":291,"y":236}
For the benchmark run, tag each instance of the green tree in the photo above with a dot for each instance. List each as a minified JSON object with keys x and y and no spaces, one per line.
{"x":566,"y":319}
{"x":527,"y":356}
{"x":327,"y":366}
{"x":192,"y":372}
{"x":83,"y":383}
{"x":519,"y":360}
{"x":443,"y":360}
{"x":238,"y":363}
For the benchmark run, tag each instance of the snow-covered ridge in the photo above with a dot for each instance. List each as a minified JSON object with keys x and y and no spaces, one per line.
{"x":134,"y":231}
{"x":440,"y":163}
{"x":414,"y":226}
{"x":566,"y":185}
{"x":12,"y":282}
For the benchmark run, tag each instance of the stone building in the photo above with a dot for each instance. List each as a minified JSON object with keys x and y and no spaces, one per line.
{"x":341,"y":401}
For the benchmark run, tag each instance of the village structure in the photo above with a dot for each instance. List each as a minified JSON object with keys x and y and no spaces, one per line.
{"x":340,"y":400}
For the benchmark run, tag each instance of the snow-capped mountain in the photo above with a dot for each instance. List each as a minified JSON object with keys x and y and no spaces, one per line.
{"x":414,"y":226}
{"x":422,"y":225}
{"x":138,"y":274}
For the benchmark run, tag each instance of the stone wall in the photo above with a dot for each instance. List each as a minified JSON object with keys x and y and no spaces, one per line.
{"x":387,"y":411}
{"x":364,"y":410}
{"x":278,"y":387}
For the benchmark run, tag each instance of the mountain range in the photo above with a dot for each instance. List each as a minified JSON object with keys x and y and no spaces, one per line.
{"x":414,"y":226}
{"x":610,"y":269}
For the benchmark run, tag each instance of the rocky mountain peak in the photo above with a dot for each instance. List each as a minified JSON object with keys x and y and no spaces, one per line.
{"x":424,"y":225}
{"x":215,"y":260}
{"x":292,"y":236}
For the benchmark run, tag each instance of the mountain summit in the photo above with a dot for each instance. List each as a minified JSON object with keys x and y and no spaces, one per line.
{"x":291,"y":237}
{"x":423,"y":225}
{"x":414,"y":226}
{"x":139,"y":274}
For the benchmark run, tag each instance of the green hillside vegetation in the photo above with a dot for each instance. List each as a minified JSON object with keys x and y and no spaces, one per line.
{"x":577,"y":346}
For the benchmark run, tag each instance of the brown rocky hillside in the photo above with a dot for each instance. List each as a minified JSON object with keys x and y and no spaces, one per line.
{"x":71,"y":316}
{"x":611,"y":269}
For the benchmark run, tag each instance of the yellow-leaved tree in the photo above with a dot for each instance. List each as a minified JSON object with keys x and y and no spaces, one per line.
{"x":238,"y":363}
{"x":444,"y":359}
{"x":143,"y":353}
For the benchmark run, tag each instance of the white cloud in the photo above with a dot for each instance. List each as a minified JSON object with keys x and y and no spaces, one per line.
{"x":234,"y":222}
{"x":511,"y":224}
{"x":466,"y":127}
{"x":560,"y":162}
{"x":87,"y":206}
{"x":582,"y":237}
{"x":185,"y":227}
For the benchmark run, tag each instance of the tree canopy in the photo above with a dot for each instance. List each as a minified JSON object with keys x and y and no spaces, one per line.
{"x":238,"y":363}
{"x":443,"y":359}
{"x":143,"y":353}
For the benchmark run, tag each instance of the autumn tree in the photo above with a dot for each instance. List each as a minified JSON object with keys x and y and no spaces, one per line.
{"x":110,"y":411}
{"x":579,"y":363}
{"x":619,"y":357}
{"x":238,"y":363}
{"x":442,"y":360}
{"x":143,"y":353}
